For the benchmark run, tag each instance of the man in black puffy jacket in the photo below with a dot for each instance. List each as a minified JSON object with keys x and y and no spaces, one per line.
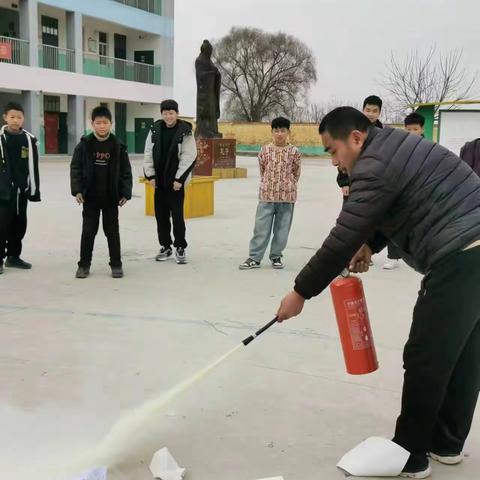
{"x":426,"y":201}
{"x":470,"y":153}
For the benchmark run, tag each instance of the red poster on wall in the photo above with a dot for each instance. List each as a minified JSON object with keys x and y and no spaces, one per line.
{"x":5,"y":50}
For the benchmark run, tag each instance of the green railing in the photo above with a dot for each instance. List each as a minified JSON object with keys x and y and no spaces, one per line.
{"x":56,"y":58}
{"x":14,"y":50}
{"x":152,"y":6}
{"x":109,"y":67}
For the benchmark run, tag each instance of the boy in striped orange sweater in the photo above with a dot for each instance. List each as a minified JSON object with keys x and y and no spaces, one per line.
{"x":280,"y":166}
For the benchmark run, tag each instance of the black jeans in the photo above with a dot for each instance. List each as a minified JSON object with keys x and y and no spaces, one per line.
{"x":13,"y":225}
{"x":91,"y":219}
{"x":169,"y":204}
{"x":392,"y":252}
{"x":442,"y":359}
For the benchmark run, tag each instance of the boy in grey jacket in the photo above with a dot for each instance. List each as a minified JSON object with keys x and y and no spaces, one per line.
{"x":170,"y":154}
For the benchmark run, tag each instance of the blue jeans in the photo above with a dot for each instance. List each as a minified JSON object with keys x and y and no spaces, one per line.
{"x":271,"y":216}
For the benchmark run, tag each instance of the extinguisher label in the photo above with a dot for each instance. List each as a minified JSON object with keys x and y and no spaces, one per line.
{"x":358,"y":323}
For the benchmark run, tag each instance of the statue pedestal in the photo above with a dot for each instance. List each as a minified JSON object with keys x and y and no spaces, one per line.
{"x":199,"y":197}
{"x":217,"y":156}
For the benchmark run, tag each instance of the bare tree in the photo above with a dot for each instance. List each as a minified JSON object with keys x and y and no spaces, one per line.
{"x":262,"y":73}
{"x":392,"y":114}
{"x":432,"y":77}
{"x":314,"y":112}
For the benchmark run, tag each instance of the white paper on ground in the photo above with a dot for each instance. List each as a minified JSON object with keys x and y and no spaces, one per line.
{"x":375,"y":457}
{"x":272,"y":478}
{"x":164,"y":466}
{"x":96,"y":474}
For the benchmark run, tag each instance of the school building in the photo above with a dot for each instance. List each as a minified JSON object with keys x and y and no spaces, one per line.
{"x":61,"y":58}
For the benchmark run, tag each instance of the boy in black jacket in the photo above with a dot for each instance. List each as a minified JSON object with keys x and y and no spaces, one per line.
{"x":170,"y":154}
{"x":372,"y":109}
{"x":19,"y":183}
{"x":101,"y":180}
{"x":415,"y":123}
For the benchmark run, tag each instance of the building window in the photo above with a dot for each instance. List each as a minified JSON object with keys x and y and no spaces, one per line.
{"x":152,"y":6}
{"x":51,"y":103}
{"x":103,"y":47}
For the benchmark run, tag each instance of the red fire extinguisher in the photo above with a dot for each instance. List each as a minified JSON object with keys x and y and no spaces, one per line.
{"x":354,"y":325}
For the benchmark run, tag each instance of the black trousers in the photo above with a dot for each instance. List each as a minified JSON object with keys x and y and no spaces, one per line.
{"x":91,"y":219}
{"x":393,"y":252}
{"x":169,"y":205}
{"x":442,"y":359}
{"x":13,"y":225}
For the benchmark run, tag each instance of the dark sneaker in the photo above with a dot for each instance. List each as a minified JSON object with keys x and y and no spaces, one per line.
{"x":17,"y":262}
{"x":117,"y":272}
{"x":1,"y":268}
{"x":163,"y":254}
{"x":180,"y":256}
{"x":82,"y":272}
{"x":248,"y":264}
{"x":417,"y":466}
{"x":447,"y":458}
{"x":277,"y":263}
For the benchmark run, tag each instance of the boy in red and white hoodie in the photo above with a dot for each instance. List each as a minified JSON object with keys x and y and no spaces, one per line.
{"x":280,"y":166}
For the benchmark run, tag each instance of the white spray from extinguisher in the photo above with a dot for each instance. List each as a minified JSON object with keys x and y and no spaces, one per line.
{"x":135,"y":435}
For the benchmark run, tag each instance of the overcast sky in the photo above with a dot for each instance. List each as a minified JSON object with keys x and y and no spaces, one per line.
{"x":351,"y":39}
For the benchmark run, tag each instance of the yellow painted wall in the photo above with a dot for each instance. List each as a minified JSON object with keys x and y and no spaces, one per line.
{"x":304,"y":134}
{"x":260,"y":133}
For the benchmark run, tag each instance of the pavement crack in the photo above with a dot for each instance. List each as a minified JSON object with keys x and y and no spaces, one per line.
{"x":328,"y":379}
{"x":215,"y":328}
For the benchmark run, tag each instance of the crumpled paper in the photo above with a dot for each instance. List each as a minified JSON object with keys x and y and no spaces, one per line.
{"x":375,"y":457}
{"x":95,"y":474}
{"x":164,"y":466}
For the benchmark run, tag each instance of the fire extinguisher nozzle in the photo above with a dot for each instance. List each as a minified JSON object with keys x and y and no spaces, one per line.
{"x":259,"y":332}
{"x":248,"y":340}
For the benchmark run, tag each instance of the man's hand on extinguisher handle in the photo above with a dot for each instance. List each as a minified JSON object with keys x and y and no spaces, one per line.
{"x":360,"y":262}
{"x":290,"y":306}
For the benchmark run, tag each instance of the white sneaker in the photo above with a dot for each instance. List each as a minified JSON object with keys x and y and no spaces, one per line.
{"x":249,"y":264}
{"x":164,"y":254}
{"x":453,"y":459}
{"x":180,"y":256}
{"x":392,"y":264}
{"x":422,"y":474}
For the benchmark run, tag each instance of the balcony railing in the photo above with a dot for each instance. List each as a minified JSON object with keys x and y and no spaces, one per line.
{"x":152,"y":6}
{"x":56,"y":58}
{"x":14,"y":50}
{"x":99,"y":65}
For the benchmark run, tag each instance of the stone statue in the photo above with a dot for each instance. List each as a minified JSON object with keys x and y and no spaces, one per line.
{"x":208,"y":93}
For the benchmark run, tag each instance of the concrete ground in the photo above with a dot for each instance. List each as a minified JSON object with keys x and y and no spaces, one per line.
{"x":75,"y":354}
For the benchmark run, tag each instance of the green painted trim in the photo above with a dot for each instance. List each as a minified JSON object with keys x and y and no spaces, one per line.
{"x":428,"y":112}
{"x":41,"y":149}
{"x":248,"y":148}
{"x":304,"y":149}
{"x":157,"y":75}
{"x":312,"y":151}
{"x":94,"y":67}
{"x":131,"y":141}
{"x":63,"y":64}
